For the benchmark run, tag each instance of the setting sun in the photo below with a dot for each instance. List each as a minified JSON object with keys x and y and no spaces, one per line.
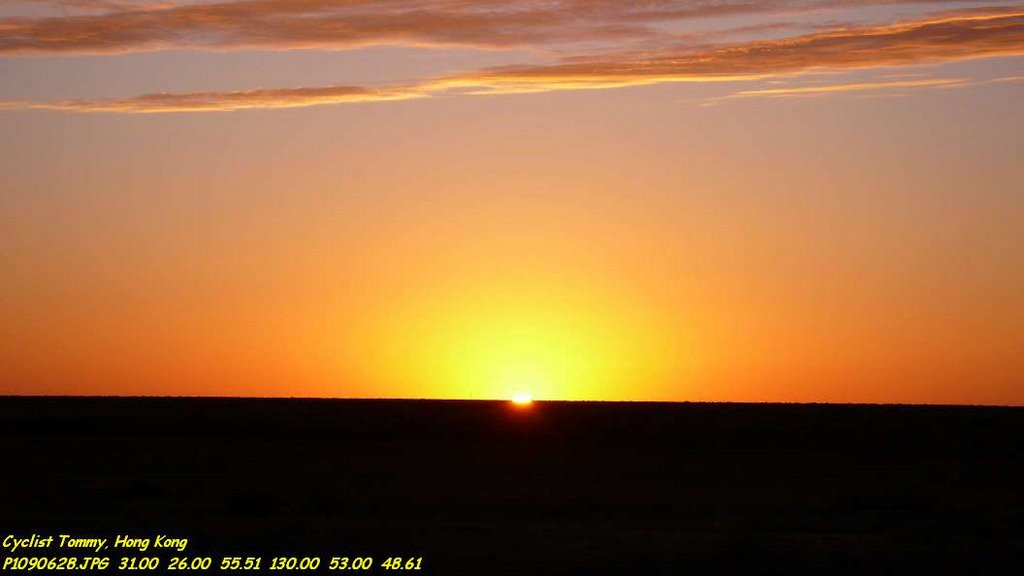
{"x":522,"y":400}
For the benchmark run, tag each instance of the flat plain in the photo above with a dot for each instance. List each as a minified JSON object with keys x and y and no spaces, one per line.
{"x":480,"y":487}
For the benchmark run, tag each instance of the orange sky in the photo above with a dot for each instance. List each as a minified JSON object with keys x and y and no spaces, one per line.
{"x":570,"y":200}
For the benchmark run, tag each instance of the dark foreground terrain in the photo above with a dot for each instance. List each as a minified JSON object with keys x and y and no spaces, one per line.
{"x":559,"y":488}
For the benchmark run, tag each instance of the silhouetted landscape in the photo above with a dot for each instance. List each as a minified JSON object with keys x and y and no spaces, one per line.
{"x":559,"y":487}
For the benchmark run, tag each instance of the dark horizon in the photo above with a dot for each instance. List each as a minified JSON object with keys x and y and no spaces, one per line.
{"x":474,"y":487}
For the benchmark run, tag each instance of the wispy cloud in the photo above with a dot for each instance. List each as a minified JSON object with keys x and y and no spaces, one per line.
{"x":841,"y":88}
{"x":118,"y":26}
{"x":930,"y":40}
{"x":877,"y":87}
{"x":945,"y":38}
{"x":338,"y":24}
{"x":228,"y":101}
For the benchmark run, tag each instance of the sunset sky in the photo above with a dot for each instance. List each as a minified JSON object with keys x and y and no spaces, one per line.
{"x":813,"y":201}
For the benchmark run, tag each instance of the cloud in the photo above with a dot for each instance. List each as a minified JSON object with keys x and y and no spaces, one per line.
{"x":882,"y":86}
{"x":953,"y":37}
{"x":119,"y":26}
{"x":290,"y":24}
{"x":840,"y":88}
{"x":941,"y":39}
{"x":229,"y":101}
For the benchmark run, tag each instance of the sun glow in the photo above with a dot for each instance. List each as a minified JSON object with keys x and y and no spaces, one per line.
{"x":518,"y":342}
